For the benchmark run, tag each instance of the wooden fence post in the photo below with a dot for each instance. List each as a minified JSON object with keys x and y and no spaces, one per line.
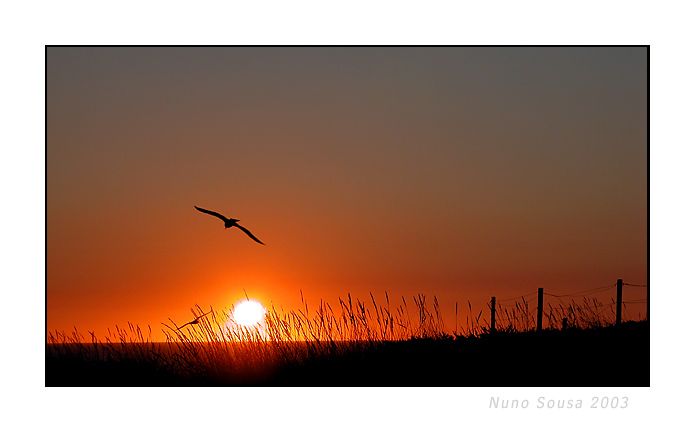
{"x":619,"y":301}
{"x":492,"y":316}
{"x":539,"y":319}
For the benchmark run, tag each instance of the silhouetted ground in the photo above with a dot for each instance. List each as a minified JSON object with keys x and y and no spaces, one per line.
{"x":604,"y":357}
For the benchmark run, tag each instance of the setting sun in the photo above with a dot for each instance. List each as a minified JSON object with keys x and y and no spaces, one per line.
{"x":248,"y":313}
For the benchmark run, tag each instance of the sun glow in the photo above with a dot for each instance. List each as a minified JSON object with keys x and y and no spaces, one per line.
{"x":249,"y":313}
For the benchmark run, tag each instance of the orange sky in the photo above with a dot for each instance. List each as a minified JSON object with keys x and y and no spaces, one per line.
{"x":456,"y":172}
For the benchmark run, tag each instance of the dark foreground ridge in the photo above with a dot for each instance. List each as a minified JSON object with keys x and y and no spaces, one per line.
{"x":599,"y":357}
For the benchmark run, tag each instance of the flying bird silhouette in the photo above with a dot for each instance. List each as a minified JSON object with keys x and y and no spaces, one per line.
{"x":195,"y":321}
{"x":228,"y":223}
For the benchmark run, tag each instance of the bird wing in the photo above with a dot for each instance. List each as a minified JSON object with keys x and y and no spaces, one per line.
{"x":211,"y":213}
{"x":179,"y":328}
{"x":248,"y":233}
{"x":195,"y":321}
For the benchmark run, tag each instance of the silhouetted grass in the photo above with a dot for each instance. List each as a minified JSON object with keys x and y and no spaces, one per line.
{"x":355,"y":343}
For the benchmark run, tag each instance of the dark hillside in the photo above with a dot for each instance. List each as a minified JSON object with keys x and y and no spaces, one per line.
{"x":573,"y":358}
{"x":602,"y":357}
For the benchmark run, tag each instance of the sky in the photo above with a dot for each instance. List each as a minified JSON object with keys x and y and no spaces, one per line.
{"x":456,"y":172}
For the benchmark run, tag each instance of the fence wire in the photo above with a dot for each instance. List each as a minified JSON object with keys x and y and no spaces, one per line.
{"x":521,"y":314}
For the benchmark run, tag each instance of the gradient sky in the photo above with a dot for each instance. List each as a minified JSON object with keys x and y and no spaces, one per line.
{"x":459,"y":172}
